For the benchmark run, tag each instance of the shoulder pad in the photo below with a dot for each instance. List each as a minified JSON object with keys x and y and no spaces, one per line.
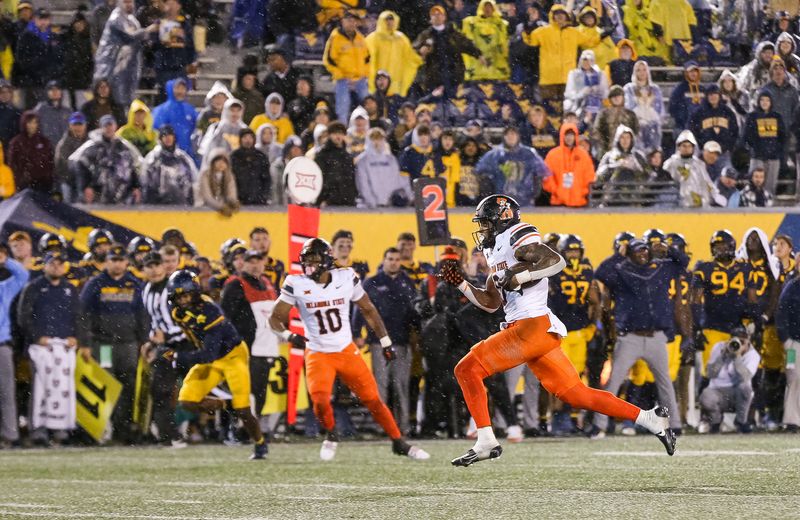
{"x":521,"y":233}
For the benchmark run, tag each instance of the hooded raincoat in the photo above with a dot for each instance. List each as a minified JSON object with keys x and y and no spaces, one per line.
{"x":112,"y":168}
{"x":31,"y":158}
{"x":223,"y":134}
{"x":586,"y":89}
{"x":217,"y":190}
{"x":697,"y":189}
{"x":490,"y":36}
{"x":622,"y":166}
{"x":558,"y":47}
{"x":516,"y":171}
{"x":378,"y":177}
{"x":272,"y":149}
{"x":170,"y":177}
{"x":144,"y":139}
{"x":119,"y":55}
{"x":392,"y":51}
{"x":573,"y":172}
{"x":181,"y":115}
{"x":646,"y":101}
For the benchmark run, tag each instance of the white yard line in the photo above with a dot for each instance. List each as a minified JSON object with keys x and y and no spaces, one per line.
{"x":683,"y":453}
{"x":56,"y":514}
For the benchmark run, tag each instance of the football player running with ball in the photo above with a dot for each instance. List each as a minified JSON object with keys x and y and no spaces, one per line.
{"x":520,"y":264}
{"x":323,"y":295}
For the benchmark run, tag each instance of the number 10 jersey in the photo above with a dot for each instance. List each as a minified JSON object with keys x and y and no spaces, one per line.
{"x":324,"y":308}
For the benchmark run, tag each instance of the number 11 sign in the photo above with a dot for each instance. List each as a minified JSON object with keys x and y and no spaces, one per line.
{"x":431,"y":208}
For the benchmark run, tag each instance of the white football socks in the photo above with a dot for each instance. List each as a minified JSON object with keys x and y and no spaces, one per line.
{"x":486,"y":439}
{"x":648,"y":419}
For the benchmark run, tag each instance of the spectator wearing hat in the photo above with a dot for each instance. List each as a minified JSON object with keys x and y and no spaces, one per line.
{"x":514,"y":169}
{"x":728,"y":186}
{"x":338,"y":170}
{"x":246,"y":297}
{"x":170,"y":173}
{"x":119,"y":53}
{"x":714,"y":121}
{"x":24,"y":16}
{"x":10,"y":287}
{"x":139,"y":129}
{"x":115,"y":325}
{"x":755,"y":74}
{"x":686,"y":97}
{"x":178,"y":113}
{"x":393,"y":293}
{"x":783,"y":89}
{"x":174,"y":52}
{"x":730,"y":371}
{"x":36,"y":58}
{"x":72,"y":139}
{"x":378,"y":174}
{"x":9,"y":114}
{"x":282,"y":78}
{"x":765,"y":137}
{"x":78,"y":59}
{"x":714,"y":159}
{"x":30,"y":156}
{"x":785,"y":49}
{"x":644,"y":319}
{"x":53,"y":113}
{"x":347,"y":59}
{"x":217,"y":184}
{"x":107,"y":168}
{"x":442,"y":47}
{"x":49,"y":318}
{"x":247,"y":92}
{"x":611,"y":117}
{"x":390,"y":50}
{"x":572,"y":168}
{"x":275,"y":115}
{"x":250,"y":168}
{"x":342,"y":246}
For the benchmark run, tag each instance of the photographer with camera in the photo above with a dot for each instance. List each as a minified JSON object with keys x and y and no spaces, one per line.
{"x":730,"y":389}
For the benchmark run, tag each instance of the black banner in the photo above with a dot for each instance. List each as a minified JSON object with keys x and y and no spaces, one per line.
{"x":37,"y":214}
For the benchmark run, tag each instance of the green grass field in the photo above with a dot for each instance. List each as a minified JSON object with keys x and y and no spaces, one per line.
{"x":729,"y":476}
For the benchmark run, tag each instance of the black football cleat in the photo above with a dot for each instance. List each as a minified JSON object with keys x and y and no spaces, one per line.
{"x":471,"y":456}
{"x":667,"y":436}
{"x":260,"y":451}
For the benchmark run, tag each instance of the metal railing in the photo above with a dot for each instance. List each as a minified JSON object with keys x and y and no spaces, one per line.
{"x":658,"y":194}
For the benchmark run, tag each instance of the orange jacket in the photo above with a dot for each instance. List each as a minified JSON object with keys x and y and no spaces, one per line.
{"x":573,"y":171}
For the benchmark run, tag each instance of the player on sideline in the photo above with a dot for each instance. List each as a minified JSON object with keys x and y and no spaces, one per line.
{"x":532,"y":334}
{"x":221,"y":356}
{"x":323,"y":295}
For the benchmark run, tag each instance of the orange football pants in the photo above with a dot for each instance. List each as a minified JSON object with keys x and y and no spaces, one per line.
{"x":321,"y":370}
{"x":527,"y":341}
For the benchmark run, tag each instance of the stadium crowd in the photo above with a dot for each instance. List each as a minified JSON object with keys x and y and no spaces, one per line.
{"x":418,"y":89}
{"x":723,"y":333}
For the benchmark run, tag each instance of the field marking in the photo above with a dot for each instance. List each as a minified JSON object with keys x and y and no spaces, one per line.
{"x":683,"y":453}
{"x":167,"y":501}
{"x":56,"y":514}
{"x":26,"y":505}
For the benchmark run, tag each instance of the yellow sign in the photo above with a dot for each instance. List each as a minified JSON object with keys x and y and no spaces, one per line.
{"x":277,"y":385}
{"x":97,"y":392}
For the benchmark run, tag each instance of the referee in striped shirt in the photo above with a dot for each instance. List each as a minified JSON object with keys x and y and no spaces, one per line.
{"x":158,"y":266}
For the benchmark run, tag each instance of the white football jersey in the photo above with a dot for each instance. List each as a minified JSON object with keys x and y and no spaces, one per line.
{"x":324,"y":309}
{"x":530,"y":302}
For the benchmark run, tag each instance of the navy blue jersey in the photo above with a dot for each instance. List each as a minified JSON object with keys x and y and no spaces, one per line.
{"x":724,"y":292}
{"x":208,"y":330}
{"x":569,"y":296}
{"x":760,"y":276}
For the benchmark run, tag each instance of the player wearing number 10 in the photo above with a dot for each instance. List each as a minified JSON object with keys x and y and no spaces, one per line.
{"x":323,"y":295}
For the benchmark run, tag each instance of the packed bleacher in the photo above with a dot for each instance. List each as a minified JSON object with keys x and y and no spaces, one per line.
{"x":663,"y":103}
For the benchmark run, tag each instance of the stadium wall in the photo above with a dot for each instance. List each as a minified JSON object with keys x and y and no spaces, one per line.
{"x":374,"y":231}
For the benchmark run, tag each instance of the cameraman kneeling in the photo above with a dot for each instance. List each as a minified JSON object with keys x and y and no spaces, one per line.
{"x":730,"y":370}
